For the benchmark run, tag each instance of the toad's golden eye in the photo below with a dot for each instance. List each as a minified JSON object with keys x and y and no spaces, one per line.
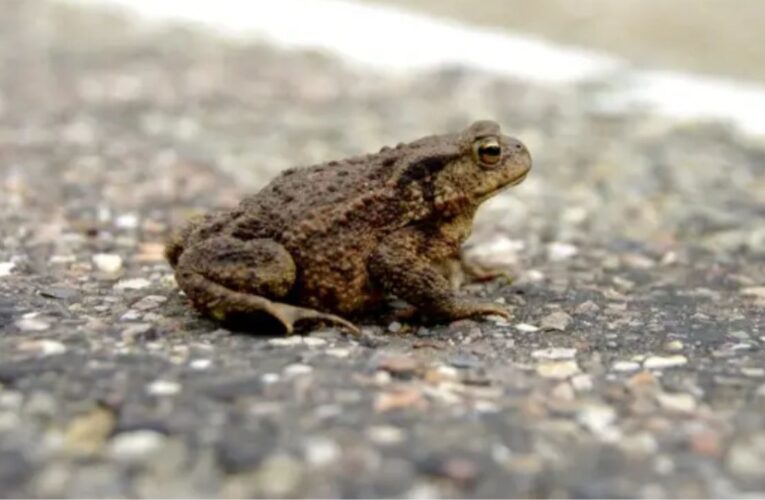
{"x":488,"y":151}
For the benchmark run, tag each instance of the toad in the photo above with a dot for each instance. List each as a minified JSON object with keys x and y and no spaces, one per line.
{"x":331,"y":241}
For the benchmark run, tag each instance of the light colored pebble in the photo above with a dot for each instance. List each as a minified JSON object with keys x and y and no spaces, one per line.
{"x":596,"y":418}
{"x":625,"y":366}
{"x":338,"y":352}
{"x":133,"y":332}
{"x":163,"y":388}
{"x":270,"y":378}
{"x":297,"y":369}
{"x":558,"y":321}
{"x":6,"y":268}
{"x":130,"y":315}
{"x":32,"y":325}
{"x":149,"y":302}
{"x":290,"y":341}
{"x":588,"y":307}
{"x":673,"y":346}
{"x":62,"y":259}
{"x":385,"y":434}
{"x":43,"y":347}
{"x":314,"y":341}
{"x":126,"y":221}
{"x":558,"y":251}
{"x":677,"y":402}
{"x":526,"y":328}
{"x":554,"y":353}
{"x":746,"y":458}
{"x":557,"y":369}
{"x":754,"y":291}
{"x":753,"y":372}
{"x":321,"y":451}
{"x":200,"y":364}
{"x":132,"y":284}
{"x":659,"y":362}
{"x":582,"y":382}
{"x":108,"y":262}
{"x":394,"y":327}
{"x":136,"y":445}
{"x":564,"y":392}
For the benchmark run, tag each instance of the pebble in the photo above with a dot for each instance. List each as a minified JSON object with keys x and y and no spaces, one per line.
{"x":394,"y":327}
{"x":564,"y":392}
{"x":385,"y":434}
{"x":136,"y":332}
{"x":270,"y":378}
{"x":526,"y":328}
{"x":278,"y":476}
{"x":108,"y":262}
{"x":136,"y":445}
{"x":625,"y":366}
{"x":149,"y":302}
{"x":314,"y":342}
{"x":200,"y":364}
{"x":320,"y":451}
{"x":746,"y":458}
{"x":43,"y":347}
{"x":87,"y":433}
{"x":754,"y":291}
{"x":558,"y":321}
{"x":32,"y":325}
{"x":659,"y":362}
{"x":132,"y":284}
{"x":557,"y":370}
{"x":554,"y":353}
{"x":588,"y":307}
{"x":6,"y":268}
{"x":754,"y":372}
{"x":297,"y":369}
{"x":399,"y":364}
{"x":338,"y":352}
{"x":163,"y":388}
{"x":596,"y":418}
{"x":673,"y":346}
{"x":290,"y":341}
{"x":582,"y":382}
{"x":131,"y":315}
{"x":558,"y":251}
{"x":677,"y":402}
{"x":399,"y":399}
{"x":126,"y":221}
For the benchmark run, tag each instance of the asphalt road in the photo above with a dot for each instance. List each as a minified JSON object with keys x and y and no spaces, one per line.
{"x":633,"y":366}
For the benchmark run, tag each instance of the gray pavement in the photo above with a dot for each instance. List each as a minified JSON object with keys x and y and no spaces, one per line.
{"x":633,"y":366}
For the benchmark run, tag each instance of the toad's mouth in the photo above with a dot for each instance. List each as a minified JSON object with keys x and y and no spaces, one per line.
{"x":491,"y":192}
{"x":518,"y":179}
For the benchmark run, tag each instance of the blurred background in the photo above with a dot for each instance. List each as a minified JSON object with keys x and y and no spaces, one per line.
{"x":715,"y":37}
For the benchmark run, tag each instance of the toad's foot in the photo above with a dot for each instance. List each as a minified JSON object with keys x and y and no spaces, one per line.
{"x":472,"y":309}
{"x":288,"y":315}
{"x":223,"y":304}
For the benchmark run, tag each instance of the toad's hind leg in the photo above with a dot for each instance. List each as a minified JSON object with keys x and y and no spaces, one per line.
{"x":226,"y":277}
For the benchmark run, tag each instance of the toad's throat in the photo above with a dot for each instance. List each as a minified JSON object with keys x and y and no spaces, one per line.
{"x":483,"y":195}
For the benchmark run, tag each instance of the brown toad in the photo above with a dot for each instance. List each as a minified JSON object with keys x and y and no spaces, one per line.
{"x":337,"y":238}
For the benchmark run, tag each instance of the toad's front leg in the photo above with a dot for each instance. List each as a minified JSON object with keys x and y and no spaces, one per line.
{"x":225,"y":277}
{"x":401,"y":266}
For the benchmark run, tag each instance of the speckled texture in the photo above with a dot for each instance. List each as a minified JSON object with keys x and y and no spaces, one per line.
{"x":632,"y":365}
{"x":343,"y":235}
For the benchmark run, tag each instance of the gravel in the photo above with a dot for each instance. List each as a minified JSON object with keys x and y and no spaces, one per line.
{"x":632,"y":365}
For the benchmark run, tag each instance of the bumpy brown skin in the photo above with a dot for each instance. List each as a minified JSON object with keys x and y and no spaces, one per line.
{"x":336,"y":238}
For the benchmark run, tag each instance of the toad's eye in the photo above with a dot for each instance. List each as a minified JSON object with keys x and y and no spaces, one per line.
{"x":488,"y":151}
